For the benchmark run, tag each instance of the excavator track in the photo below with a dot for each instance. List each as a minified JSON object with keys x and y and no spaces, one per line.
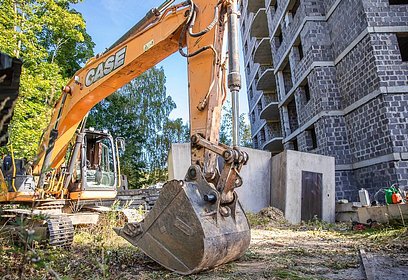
{"x":60,"y":231}
{"x":54,"y":230}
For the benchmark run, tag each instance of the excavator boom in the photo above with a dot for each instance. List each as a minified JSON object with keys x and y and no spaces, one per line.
{"x":102,"y":76}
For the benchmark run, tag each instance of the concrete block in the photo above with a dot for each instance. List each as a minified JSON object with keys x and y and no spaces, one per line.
{"x":348,"y":207}
{"x":346,"y":217}
{"x":179,"y":161}
{"x":254,"y":194}
{"x":286,"y":193}
{"x":384,"y":214}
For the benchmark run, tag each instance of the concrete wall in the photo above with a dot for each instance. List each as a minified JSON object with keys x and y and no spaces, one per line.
{"x":286,"y":191}
{"x":254,"y":194}
{"x":273,"y":181}
{"x":179,"y":161}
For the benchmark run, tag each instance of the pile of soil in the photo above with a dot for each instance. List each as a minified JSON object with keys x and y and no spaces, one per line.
{"x":275,"y":217}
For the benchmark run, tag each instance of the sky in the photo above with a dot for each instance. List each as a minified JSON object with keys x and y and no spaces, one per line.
{"x":108,"y":20}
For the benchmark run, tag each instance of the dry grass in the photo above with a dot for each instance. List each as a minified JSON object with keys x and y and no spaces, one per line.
{"x":310,"y":251}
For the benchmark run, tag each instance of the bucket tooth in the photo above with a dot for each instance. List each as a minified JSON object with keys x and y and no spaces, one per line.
{"x":187,"y":234}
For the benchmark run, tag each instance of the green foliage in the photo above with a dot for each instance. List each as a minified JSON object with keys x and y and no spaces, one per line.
{"x":226,"y":127}
{"x":51,"y":39}
{"x":139,"y":112}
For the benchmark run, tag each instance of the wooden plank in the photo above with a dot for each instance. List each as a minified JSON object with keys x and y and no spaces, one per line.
{"x":368,"y":264}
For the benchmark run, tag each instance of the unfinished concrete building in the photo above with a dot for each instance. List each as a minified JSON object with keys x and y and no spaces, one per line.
{"x":330,"y":77}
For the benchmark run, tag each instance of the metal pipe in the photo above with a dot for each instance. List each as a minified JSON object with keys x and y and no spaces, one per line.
{"x":234,"y":76}
{"x":75,"y":152}
{"x":235,"y":118}
{"x":165,"y":5}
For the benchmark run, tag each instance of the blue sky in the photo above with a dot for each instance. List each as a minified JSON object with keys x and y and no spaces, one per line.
{"x":108,"y":20}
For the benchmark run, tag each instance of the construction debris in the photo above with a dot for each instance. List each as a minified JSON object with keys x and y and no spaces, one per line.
{"x":274,"y":216}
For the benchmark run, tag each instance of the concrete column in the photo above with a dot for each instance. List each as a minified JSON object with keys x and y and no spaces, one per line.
{"x":281,"y":86}
{"x":286,"y":123}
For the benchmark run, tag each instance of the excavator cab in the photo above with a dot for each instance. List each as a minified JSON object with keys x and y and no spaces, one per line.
{"x":96,"y":167}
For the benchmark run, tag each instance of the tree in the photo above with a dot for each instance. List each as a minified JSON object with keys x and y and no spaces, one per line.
{"x":226,"y":127}
{"x":140,"y":112}
{"x":51,"y":39}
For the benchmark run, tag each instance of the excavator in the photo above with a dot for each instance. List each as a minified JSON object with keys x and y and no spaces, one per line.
{"x":197,"y":223}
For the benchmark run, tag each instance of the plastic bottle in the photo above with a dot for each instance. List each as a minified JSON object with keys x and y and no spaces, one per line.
{"x":396,"y":198}
{"x":388,"y":195}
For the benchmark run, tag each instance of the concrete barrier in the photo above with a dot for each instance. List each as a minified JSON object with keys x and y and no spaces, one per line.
{"x":290,"y":192}
{"x":254,"y":194}
{"x":273,"y":181}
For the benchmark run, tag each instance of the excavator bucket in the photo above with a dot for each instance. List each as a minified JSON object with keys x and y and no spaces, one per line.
{"x":185,"y":231}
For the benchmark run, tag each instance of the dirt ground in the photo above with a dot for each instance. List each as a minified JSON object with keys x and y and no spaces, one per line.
{"x":314,"y":250}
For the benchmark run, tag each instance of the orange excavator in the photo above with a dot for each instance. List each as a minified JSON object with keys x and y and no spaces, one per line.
{"x":196,"y":223}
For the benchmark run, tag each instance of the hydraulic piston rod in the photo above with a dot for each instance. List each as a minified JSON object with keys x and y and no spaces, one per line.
{"x":234,"y":76}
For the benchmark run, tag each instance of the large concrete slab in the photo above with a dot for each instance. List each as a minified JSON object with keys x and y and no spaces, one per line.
{"x":179,"y":161}
{"x":384,"y":214}
{"x":254,"y":194}
{"x":286,"y":193}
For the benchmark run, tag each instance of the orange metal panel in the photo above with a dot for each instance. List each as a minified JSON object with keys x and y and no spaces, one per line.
{"x":86,"y":195}
{"x":17,"y":197}
{"x":204,"y":70}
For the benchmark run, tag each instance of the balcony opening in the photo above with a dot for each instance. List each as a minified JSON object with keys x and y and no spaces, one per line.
{"x":262,"y":135}
{"x":299,"y":48}
{"x":402,"y":39}
{"x":295,"y":144}
{"x":248,"y":69}
{"x":278,"y":37}
{"x":306,"y":92}
{"x":398,"y":2}
{"x":295,"y":8}
{"x":274,"y":4}
{"x":246,"y":47}
{"x":311,"y":138}
{"x":243,"y":27}
{"x":256,"y":144}
{"x":293,"y":116}
{"x":287,"y":78}
{"x":253,"y":117}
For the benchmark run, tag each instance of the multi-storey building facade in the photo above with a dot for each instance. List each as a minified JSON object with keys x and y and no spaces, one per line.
{"x":331,"y":77}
